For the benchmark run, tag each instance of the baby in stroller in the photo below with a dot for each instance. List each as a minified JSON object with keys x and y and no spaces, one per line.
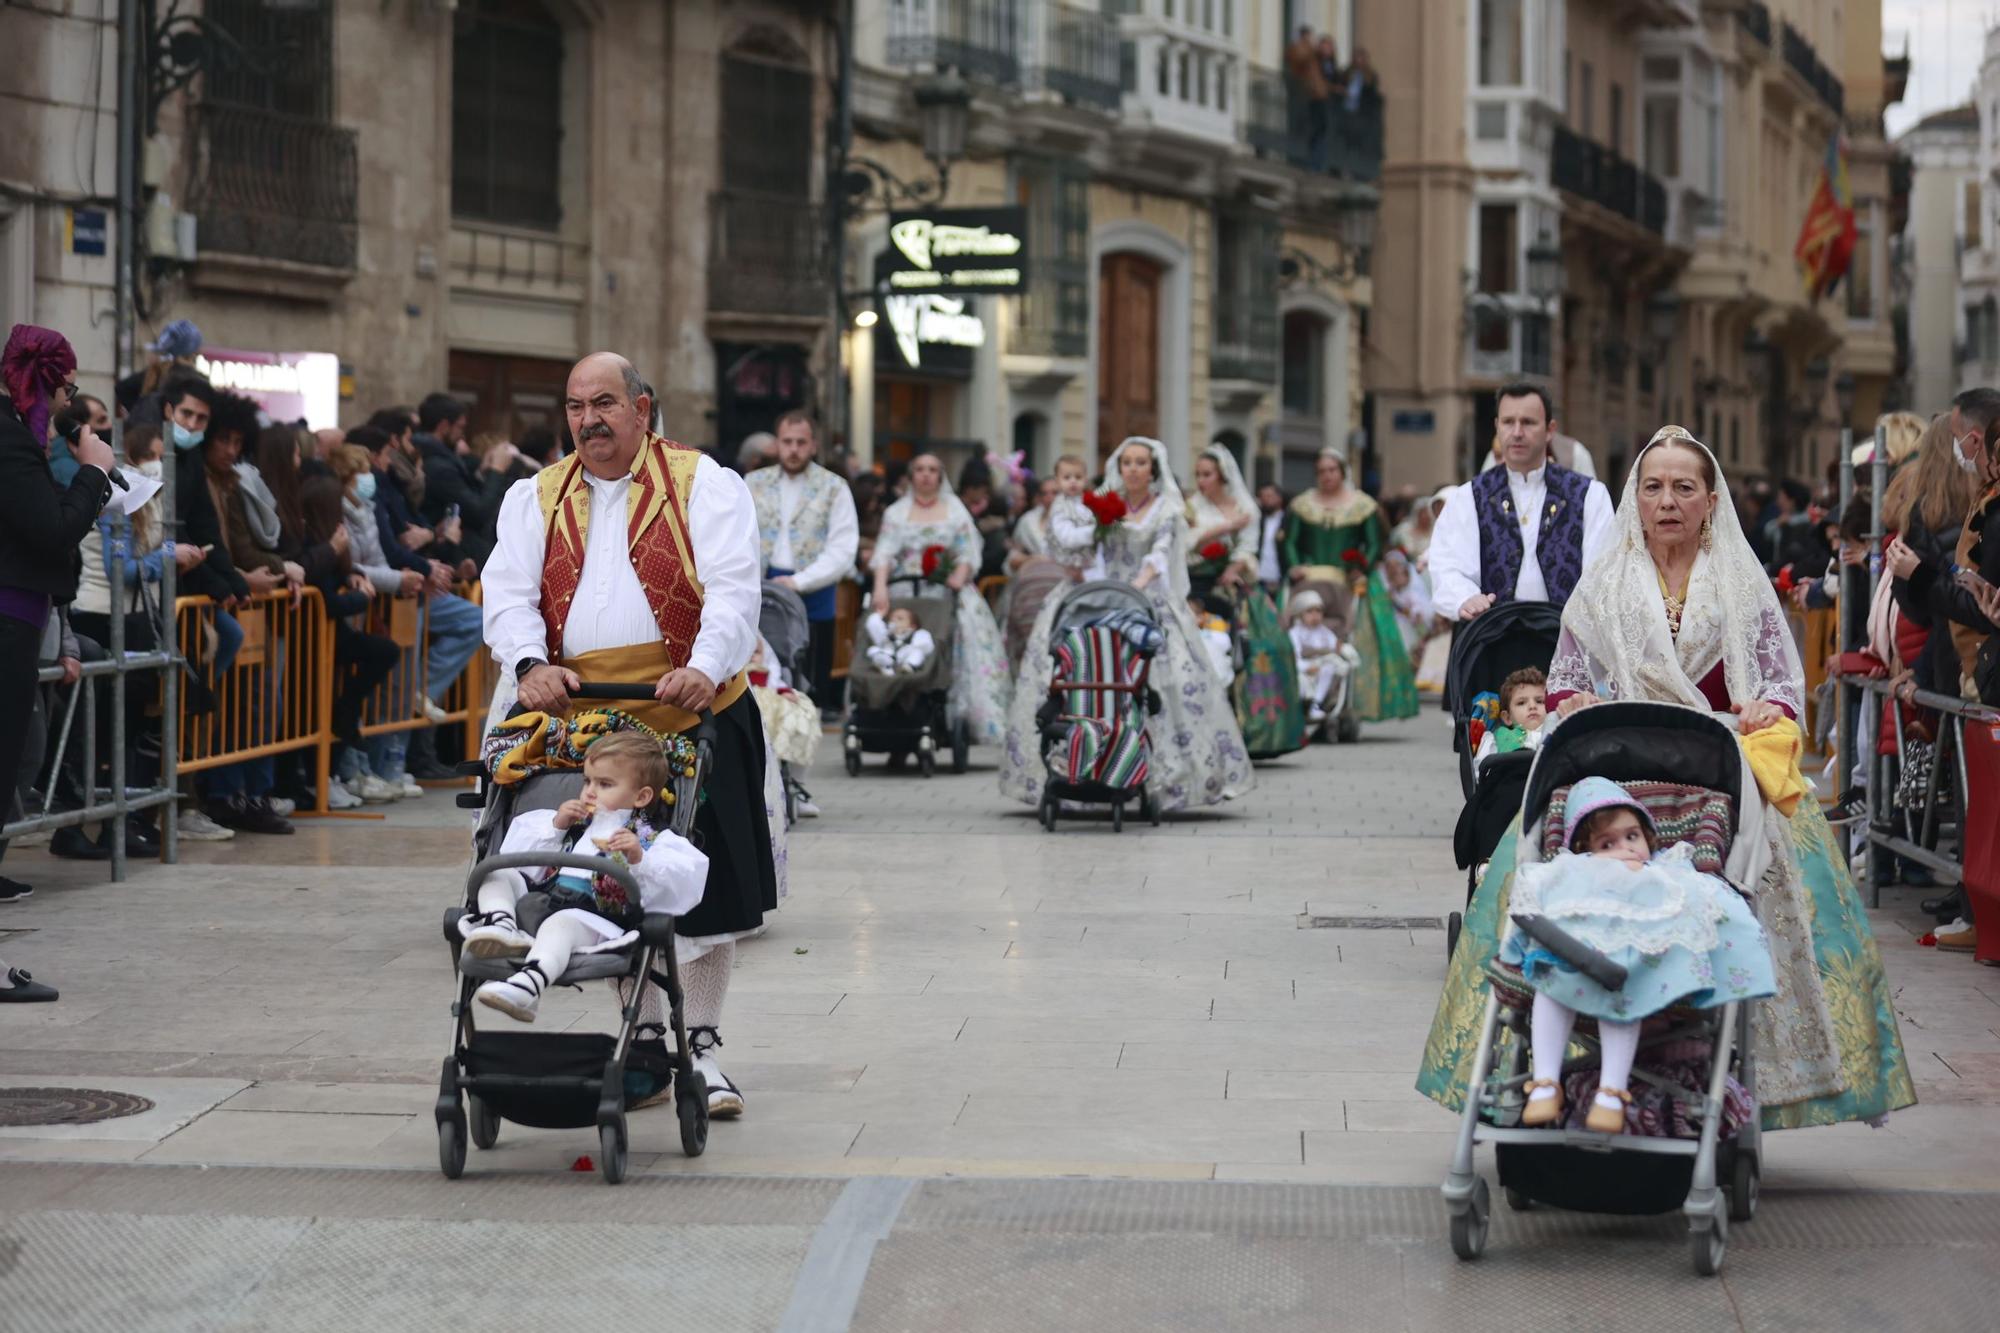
{"x":1680,"y":937}
{"x":1523,"y":710}
{"x":898,"y":643}
{"x":623,"y":775}
{"x":1324,"y":661}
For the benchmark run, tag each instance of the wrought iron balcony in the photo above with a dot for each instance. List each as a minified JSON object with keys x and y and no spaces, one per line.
{"x":1052,"y":317}
{"x":1591,"y":171}
{"x":767,"y":255}
{"x":1282,"y":125}
{"x":275,"y":186}
{"x":1805,"y":62}
{"x":980,"y":38}
{"x":1080,"y":58}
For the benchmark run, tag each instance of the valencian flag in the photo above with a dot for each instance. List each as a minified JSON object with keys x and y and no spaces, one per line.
{"x":1826,"y":241}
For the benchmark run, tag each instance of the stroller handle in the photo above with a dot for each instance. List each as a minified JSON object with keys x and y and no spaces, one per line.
{"x":1573,"y":951}
{"x":597,"y":865}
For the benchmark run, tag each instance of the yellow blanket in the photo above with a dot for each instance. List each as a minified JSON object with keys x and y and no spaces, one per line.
{"x":1773,"y":755}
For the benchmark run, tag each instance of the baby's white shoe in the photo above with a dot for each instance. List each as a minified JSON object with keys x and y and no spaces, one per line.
{"x":518,"y":996}
{"x":494,"y":935}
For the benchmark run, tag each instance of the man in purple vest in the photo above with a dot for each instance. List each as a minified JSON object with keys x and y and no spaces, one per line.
{"x":1522,"y":531}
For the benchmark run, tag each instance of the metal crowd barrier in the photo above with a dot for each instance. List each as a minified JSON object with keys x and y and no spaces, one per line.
{"x":394,"y":704}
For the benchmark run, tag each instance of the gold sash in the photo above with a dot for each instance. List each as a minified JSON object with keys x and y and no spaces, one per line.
{"x":643,"y":662}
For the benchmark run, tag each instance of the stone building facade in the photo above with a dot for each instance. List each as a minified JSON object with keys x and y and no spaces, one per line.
{"x":462,"y":196}
{"x":1603,"y":196}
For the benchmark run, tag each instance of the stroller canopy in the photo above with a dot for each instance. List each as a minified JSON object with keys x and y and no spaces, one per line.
{"x":1485,"y":651}
{"x":781,"y":619}
{"x":1085,"y":603}
{"x":1632,"y":742}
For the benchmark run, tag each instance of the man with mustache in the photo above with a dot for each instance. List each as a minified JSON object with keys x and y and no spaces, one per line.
{"x":638,"y":559}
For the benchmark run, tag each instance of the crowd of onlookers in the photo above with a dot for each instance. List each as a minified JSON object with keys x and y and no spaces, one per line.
{"x":1320,"y":91}
{"x":384,"y":523}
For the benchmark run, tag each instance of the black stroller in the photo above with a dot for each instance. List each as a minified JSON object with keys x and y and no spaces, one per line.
{"x":1686,"y":767}
{"x":781,"y":619}
{"x":1484,"y":652}
{"x":565,"y":1080}
{"x":1093,"y":724}
{"x":900,"y":713}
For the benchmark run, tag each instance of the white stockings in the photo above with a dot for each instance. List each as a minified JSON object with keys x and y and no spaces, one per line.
{"x":704,"y":984}
{"x":1548,"y":1036}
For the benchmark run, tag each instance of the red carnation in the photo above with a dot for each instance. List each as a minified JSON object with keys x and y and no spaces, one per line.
{"x":1352,"y":556}
{"x":1214,"y":551}
{"x":933,"y":557}
{"x":1785,"y":580}
{"x":1107,"y":508}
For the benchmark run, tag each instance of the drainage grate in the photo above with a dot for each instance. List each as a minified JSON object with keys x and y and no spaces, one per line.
{"x":66,"y":1106}
{"x":1308,"y":922}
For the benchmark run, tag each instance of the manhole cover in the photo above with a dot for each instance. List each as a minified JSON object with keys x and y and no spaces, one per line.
{"x":66,"y":1106}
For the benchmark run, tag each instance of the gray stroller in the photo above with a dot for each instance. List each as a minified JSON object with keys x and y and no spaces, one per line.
{"x":1700,"y":1151}
{"x":903,"y":713}
{"x":781,"y":619}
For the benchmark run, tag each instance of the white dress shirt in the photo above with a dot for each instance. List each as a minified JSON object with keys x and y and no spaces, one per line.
{"x":610,"y":609}
{"x":1454,"y":550}
{"x":843,"y":535}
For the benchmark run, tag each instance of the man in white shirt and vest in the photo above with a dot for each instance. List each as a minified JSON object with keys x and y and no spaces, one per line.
{"x":809,"y":536}
{"x":1523,"y":531}
{"x":635,"y":559}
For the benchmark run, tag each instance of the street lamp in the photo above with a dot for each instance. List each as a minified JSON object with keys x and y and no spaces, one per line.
{"x":1817,"y":371}
{"x":1545,"y":269}
{"x":1843,"y":395}
{"x":944,"y":106}
{"x":1356,"y":227}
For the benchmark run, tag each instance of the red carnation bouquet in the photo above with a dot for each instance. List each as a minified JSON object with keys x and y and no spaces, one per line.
{"x":1353,"y":558}
{"x":938,"y":564}
{"x":1107,"y":508}
{"x":1214,"y":550}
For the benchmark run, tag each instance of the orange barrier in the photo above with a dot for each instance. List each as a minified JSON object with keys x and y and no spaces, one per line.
{"x":277,"y":693}
{"x":1818,"y":634}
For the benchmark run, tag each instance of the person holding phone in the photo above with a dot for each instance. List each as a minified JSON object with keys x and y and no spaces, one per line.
{"x":41,"y":528}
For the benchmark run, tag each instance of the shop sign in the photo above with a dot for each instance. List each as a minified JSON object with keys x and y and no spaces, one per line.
{"x":929,"y":328}
{"x":289,"y":386}
{"x":958,"y":250}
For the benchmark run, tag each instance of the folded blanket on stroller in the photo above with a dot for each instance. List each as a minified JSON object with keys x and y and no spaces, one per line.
{"x":530,"y":743}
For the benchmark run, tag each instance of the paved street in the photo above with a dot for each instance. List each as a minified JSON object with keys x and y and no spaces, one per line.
{"x":996,"y":1079}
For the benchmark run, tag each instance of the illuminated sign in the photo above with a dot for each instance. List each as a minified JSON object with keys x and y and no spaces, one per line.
{"x":917,"y":322}
{"x":289,"y":386}
{"x":955,"y":250}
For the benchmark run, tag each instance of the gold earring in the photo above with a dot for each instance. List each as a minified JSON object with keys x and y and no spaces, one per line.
{"x":1708,"y":534}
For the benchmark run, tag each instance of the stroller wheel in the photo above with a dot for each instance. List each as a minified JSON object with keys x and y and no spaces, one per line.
{"x":1118,"y":817}
{"x":1453,"y":925}
{"x":451,"y":1146}
{"x":1744,"y":1186}
{"x":1347,"y":729}
{"x":1468,"y":1228}
{"x":961,"y":745}
{"x":927,"y":762}
{"x":1518,"y":1201}
{"x":691,"y":1104}
{"x":854,"y":763}
{"x":485,"y":1125}
{"x":1048,"y":813}
{"x":611,"y":1151}
{"x":1708,"y":1244}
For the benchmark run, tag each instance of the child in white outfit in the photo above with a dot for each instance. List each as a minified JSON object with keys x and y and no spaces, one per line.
{"x":622,"y":774}
{"x":898,"y":645}
{"x":1322,"y":661}
{"x":1072,"y":529}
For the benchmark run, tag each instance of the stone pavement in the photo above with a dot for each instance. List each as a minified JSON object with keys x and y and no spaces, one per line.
{"x":1237,"y":998}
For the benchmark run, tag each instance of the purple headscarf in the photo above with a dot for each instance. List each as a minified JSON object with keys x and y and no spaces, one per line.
{"x":36,"y":362}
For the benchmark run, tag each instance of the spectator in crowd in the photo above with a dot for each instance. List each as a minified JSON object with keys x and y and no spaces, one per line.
{"x":325,"y":440}
{"x":757,"y":450}
{"x":372,"y":771}
{"x":1926,"y":507}
{"x":975,"y":492}
{"x":1789,"y":527}
{"x":455,"y":485}
{"x":537,"y":448}
{"x":1363,"y":85}
{"x":1306,"y":86}
{"x":84,"y":410}
{"x":361,"y":660}
{"x":141,"y":395}
{"x":41,"y":525}
{"x":405,"y":461}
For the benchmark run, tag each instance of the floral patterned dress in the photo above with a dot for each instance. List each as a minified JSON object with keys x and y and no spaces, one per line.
{"x":1198,"y":755}
{"x":1266,"y":691}
{"x":980,"y":685}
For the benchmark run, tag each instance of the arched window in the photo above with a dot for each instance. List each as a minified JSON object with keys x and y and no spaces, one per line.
{"x":506,"y":114}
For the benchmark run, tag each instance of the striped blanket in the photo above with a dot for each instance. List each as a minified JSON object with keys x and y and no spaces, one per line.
{"x":1101,"y":734}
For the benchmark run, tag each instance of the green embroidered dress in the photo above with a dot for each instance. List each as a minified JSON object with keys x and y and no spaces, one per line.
{"x":1318,"y":537}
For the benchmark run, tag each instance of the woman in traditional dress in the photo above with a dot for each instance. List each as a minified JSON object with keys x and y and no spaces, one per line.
{"x":1677,"y":610}
{"x":1198,"y":754}
{"x":930,"y":515}
{"x":1266,"y":692}
{"x":1335,"y":533}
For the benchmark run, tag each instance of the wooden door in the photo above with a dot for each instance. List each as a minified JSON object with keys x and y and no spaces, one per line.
{"x":505,"y":395}
{"x":1128,"y":349}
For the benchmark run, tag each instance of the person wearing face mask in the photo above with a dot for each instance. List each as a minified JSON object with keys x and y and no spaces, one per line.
{"x":189,"y":402}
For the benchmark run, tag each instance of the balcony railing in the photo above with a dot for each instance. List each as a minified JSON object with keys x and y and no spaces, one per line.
{"x":767,"y":255}
{"x":1805,"y":62}
{"x":1052,"y":317}
{"x":1592,"y":171}
{"x":1282,"y":126}
{"x":981,"y":38}
{"x":1079,"y":59}
{"x":275,"y":186}
{"x":1755,"y":20}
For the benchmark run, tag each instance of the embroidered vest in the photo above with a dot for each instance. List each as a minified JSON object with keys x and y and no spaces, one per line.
{"x":1558,"y":547}
{"x":655,"y":529}
{"x":809,"y":524}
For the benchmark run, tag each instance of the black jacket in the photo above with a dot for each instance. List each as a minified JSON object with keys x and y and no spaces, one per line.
{"x":449,"y":481}
{"x":42,"y":525}
{"x":1937,"y":590}
{"x":199,"y":525}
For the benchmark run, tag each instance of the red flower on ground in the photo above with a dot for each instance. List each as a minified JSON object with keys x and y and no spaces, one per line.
{"x":1214,"y":551}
